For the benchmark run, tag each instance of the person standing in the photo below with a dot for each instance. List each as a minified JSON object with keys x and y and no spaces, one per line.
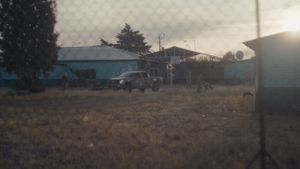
{"x":189,"y":80}
{"x":65,"y":81}
{"x":200,"y":82}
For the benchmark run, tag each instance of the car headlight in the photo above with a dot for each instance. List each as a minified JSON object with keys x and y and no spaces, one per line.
{"x":122,"y":81}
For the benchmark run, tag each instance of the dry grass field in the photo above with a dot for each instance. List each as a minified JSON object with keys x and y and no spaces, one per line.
{"x":171,"y":129}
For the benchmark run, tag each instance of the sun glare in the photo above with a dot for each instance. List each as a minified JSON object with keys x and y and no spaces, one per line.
{"x":292,"y":23}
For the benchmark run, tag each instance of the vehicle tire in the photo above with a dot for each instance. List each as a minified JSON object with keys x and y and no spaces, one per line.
{"x":155,"y":87}
{"x":129,"y":88}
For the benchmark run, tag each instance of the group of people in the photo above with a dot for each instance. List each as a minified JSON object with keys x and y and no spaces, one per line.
{"x":201,"y":83}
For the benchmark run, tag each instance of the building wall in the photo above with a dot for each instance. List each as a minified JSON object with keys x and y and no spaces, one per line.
{"x":104,"y":71}
{"x":5,"y":75}
{"x":212,"y":72}
{"x":281,"y":65}
{"x":6,"y":79}
{"x":240,"y":72}
{"x":282,"y":100}
{"x":281,"y":72}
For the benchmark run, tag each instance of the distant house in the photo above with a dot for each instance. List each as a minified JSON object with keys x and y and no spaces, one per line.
{"x":240,"y":72}
{"x":105,"y":61}
{"x":173,"y":55}
{"x":281,"y":70}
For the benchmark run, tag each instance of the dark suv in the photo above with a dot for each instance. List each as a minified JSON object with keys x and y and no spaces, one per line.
{"x":135,"y":80}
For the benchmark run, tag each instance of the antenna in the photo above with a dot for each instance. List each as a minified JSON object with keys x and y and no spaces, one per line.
{"x":160,"y":41}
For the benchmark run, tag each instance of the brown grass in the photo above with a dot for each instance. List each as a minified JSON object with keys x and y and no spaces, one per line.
{"x":174,"y":128}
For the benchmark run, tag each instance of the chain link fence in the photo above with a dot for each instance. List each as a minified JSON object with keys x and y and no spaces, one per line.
{"x":216,"y":27}
{"x":192,"y":42}
{"x":215,"y":30}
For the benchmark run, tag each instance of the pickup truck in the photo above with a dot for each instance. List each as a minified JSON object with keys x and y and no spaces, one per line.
{"x":135,"y":80}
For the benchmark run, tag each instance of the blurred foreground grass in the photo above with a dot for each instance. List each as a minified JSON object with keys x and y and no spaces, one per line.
{"x":174,"y":128}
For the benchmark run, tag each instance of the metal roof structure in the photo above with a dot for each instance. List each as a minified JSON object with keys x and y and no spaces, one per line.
{"x":166,"y":54}
{"x":292,"y":37}
{"x":173,"y":51}
{"x":94,"y":53}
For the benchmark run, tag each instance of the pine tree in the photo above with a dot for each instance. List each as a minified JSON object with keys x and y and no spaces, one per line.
{"x":105,"y":43}
{"x":28,"y":40}
{"x":132,"y":41}
{"x":229,"y":56}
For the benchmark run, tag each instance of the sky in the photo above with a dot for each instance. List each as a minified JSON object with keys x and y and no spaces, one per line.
{"x":209,"y":26}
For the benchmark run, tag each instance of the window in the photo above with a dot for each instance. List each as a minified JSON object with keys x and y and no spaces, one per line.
{"x":145,"y":75}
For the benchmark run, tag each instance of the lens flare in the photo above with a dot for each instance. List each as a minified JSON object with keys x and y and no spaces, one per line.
{"x":292,"y":23}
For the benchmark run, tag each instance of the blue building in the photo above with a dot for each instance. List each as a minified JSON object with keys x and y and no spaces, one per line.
{"x":104,"y":60}
{"x":240,"y":72}
{"x":280,"y":54}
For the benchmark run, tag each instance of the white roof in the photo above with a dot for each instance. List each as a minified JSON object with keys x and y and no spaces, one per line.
{"x":94,"y":53}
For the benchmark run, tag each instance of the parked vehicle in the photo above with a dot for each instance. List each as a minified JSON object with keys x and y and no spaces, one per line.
{"x":135,"y":80}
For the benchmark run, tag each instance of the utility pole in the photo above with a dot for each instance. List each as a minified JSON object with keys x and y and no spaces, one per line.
{"x":160,"y":41}
{"x":262,"y":154}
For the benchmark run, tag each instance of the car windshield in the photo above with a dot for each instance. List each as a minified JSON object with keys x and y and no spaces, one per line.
{"x":126,"y":74}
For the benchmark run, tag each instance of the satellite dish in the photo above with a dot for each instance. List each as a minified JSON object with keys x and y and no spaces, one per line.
{"x":239,"y":55}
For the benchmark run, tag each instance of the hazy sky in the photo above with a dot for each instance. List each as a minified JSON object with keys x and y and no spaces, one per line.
{"x":215,"y":26}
